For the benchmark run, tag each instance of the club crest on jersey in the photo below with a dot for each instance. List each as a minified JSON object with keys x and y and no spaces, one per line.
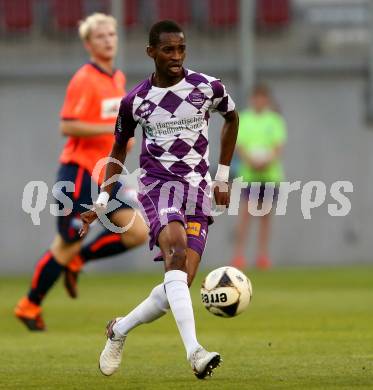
{"x":196,"y":98}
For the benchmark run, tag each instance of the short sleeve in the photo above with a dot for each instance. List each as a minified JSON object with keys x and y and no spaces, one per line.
{"x":280,"y":134}
{"x":78,"y":99}
{"x":221,"y":100}
{"x":125,"y":124}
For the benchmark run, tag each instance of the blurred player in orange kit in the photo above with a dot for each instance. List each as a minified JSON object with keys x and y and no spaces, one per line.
{"x":87,"y":118}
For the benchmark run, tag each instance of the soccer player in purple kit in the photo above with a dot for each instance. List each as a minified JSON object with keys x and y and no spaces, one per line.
{"x":172,"y":106}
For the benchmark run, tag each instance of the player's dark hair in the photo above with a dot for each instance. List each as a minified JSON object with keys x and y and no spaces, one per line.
{"x":164,"y":26}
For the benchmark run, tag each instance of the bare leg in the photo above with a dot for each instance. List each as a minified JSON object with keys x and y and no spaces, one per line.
{"x":137,"y":234}
{"x":64,"y":251}
{"x":193,"y":260}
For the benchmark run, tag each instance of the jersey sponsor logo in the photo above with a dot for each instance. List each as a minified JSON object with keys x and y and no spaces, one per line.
{"x":173,"y":127}
{"x":193,"y":228}
{"x":169,"y":210}
{"x":110,"y":108}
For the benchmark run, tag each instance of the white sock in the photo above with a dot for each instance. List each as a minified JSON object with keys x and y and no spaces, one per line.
{"x":178,"y":296}
{"x":154,"y":306}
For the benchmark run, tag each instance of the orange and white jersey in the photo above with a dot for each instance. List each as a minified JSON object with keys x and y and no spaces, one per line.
{"x":92,"y":96}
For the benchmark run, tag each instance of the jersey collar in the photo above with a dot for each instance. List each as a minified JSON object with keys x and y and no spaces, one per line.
{"x":185,"y":71}
{"x":97,"y":67}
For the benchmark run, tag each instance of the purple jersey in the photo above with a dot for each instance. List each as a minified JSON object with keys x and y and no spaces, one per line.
{"x":174,"y":121}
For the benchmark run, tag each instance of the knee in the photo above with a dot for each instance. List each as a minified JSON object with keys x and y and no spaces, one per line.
{"x":64,"y":251}
{"x":176,"y":258}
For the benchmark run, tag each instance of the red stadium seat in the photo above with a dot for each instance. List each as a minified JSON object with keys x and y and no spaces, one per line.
{"x":131,"y":13}
{"x":177,"y":10}
{"x":67,"y":14}
{"x":130,"y":10}
{"x":17,"y":15}
{"x":223,"y":13}
{"x":273,"y":13}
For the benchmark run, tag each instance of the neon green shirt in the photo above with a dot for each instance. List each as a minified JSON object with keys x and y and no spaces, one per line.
{"x":260,"y":133}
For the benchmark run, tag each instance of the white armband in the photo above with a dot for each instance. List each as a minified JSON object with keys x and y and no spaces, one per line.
{"x":103,"y":199}
{"x":222,"y":174}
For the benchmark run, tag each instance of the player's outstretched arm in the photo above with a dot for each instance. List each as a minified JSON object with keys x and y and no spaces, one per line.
{"x":77,"y":128}
{"x":227,"y":145}
{"x":113,"y":171}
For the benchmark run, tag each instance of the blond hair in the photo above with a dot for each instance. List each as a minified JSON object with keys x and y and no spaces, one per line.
{"x":92,"y":21}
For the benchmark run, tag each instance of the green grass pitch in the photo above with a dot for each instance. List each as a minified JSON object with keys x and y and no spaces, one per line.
{"x":305,"y":329}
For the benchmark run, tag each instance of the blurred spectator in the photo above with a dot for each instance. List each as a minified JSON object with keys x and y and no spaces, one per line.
{"x":262,"y":134}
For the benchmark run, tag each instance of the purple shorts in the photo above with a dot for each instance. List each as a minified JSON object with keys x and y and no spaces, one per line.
{"x":271,"y":193}
{"x":162,"y":202}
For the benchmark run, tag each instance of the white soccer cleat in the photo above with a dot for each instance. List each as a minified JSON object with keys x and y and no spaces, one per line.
{"x":111,"y":356}
{"x":204,"y":362}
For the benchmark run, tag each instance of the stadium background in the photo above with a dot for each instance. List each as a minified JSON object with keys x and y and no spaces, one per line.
{"x":317,"y":55}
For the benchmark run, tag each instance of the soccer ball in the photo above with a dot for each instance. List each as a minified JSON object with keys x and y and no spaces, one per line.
{"x":226,"y":292}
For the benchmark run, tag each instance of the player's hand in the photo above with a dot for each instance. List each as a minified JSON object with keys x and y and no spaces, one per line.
{"x":222,"y":193}
{"x":87,"y":218}
{"x":260,"y":165}
{"x":261,"y":162}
